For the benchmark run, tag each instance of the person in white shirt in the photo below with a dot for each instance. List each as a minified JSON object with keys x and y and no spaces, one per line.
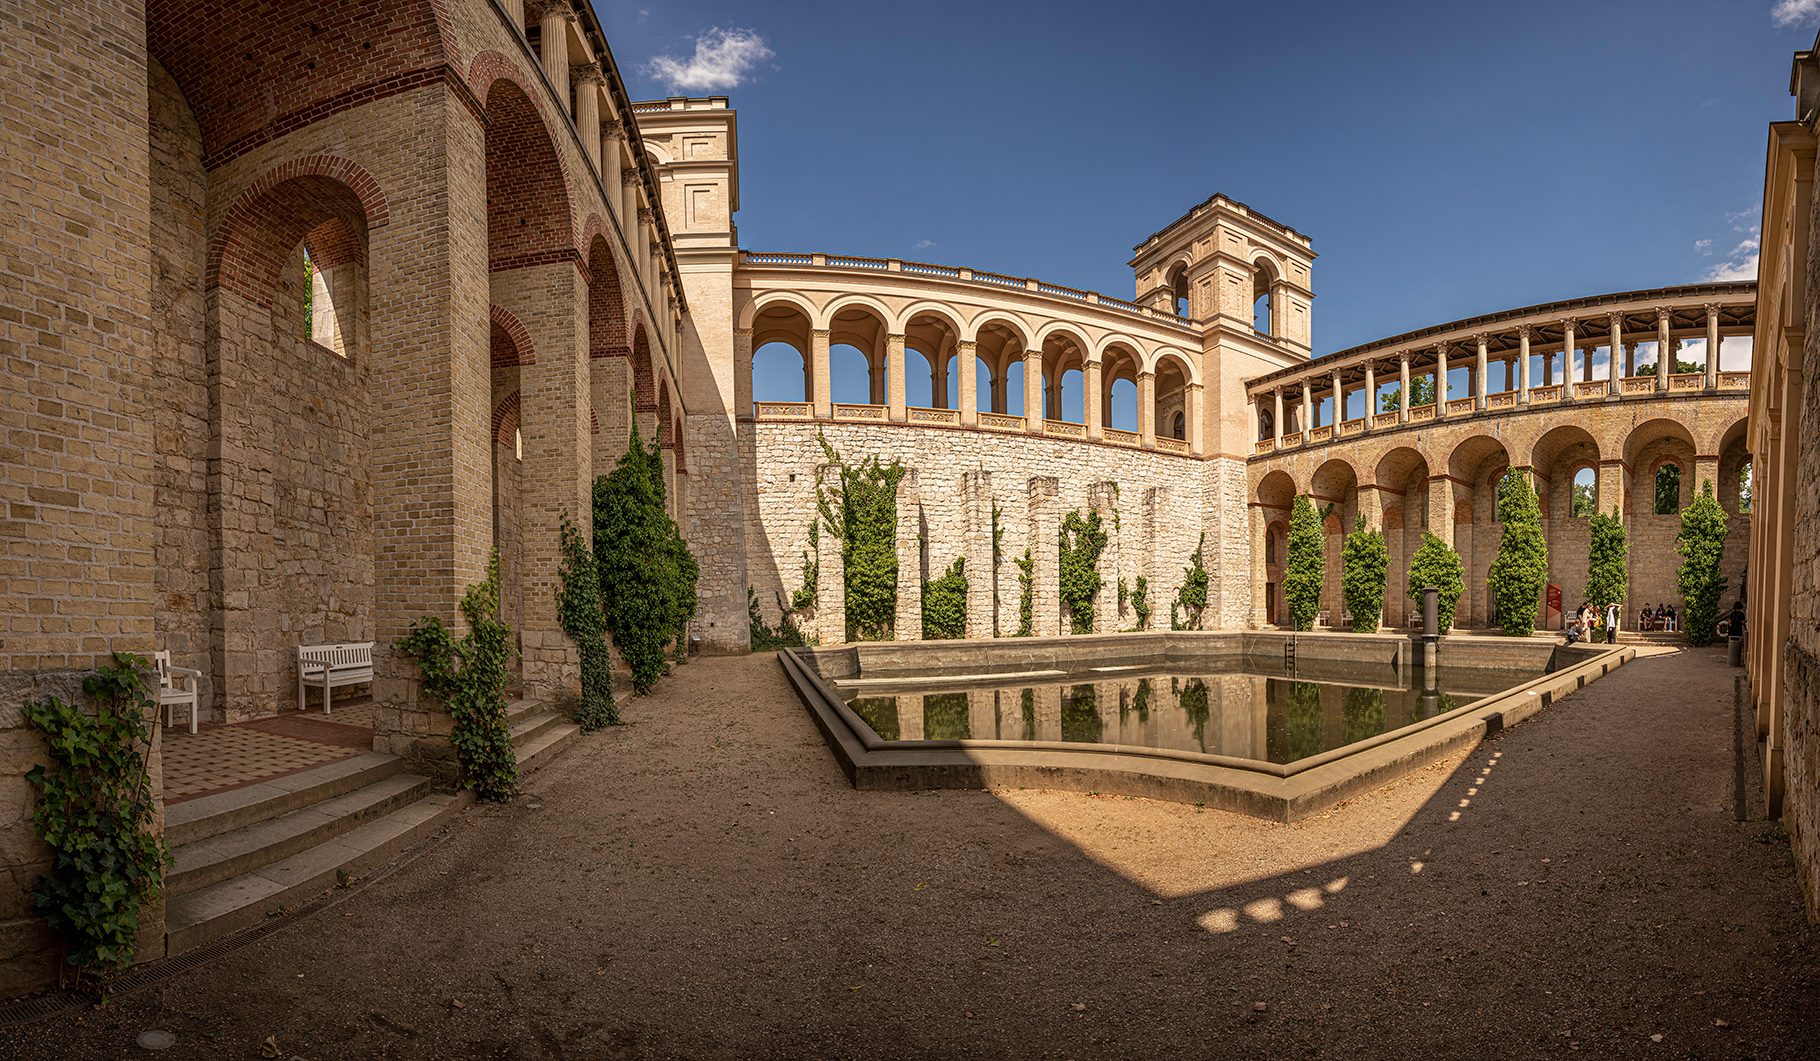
{"x":1611,"y":623}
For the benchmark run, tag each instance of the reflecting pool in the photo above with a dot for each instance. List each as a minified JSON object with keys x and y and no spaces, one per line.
{"x":1249,"y":716}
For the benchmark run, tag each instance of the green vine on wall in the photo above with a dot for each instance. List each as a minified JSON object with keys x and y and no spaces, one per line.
{"x":1192,"y":597}
{"x":1026,"y":601}
{"x":812,"y":571}
{"x":647,"y":574}
{"x":862,"y":512}
{"x":761,"y":636}
{"x":1080,"y":543}
{"x":95,"y":810}
{"x":1140,"y":602}
{"x":1701,"y":544}
{"x":580,"y":614}
{"x":474,"y":694}
{"x":998,"y":553}
{"x":945,"y":604}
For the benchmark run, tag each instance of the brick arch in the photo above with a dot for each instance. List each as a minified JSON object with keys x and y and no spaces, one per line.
{"x":666,"y":437}
{"x":523,"y":352}
{"x":505,"y":419}
{"x":644,"y":380}
{"x":266,"y":221}
{"x":530,"y":200}
{"x":606,"y":304}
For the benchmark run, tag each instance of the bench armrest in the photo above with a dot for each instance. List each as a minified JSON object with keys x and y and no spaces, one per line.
{"x":184,"y":671}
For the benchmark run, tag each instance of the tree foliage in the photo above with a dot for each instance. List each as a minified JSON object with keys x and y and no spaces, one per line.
{"x":1080,"y":543}
{"x":1307,"y":563}
{"x":1701,"y":544}
{"x":580,"y":614}
{"x":1521,"y":568}
{"x":1607,"y":572}
{"x":1421,"y":392}
{"x":945,"y":604}
{"x":1436,"y":564}
{"x":96,"y":811}
{"x":860,"y":509}
{"x":474,"y":694}
{"x":1364,"y":574}
{"x":647,"y":574}
{"x":1668,"y":489}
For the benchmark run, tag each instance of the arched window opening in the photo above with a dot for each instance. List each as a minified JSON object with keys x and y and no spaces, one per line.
{"x":1263,"y":308}
{"x":920,"y":381}
{"x":1744,"y":490}
{"x":1668,"y":489}
{"x":325,"y":269}
{"x":1266,"y":423}
{"x":850,"y":375}
{"x":1586,"y":494}
{"x":1270,"y":547}
{"x":779,"y":374}
{"x":1068,"y":397}
{"x":518,"y":443}
{"x":1179,"y":429}
{"x":1123,"y":413}
{"x":1178,"y":286}
{"x":1014,"y":389}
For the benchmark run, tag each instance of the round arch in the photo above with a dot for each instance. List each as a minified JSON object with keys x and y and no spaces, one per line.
{"x":1016,"y":326}
{"x":844,"y":303}
{"x":759,"y":302}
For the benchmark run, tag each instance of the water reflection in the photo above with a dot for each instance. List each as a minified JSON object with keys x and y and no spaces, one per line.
{"x":1250,"y":716}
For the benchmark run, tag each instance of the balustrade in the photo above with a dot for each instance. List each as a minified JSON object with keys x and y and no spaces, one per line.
{"x":1687,"y":381}
{"x":1545,"y":394}
{"x":1121,"y":438}
{"x":1501,"y":400}
{"x":1002,"y":422}
{"x":1064,"y":428}
{"x":1460,"y":407}
{"x":859,"y":412}
{"x":1421,"y":412}
{"x":1352,"y":427}
{"x":1320,"y":434}
{"x":1734,"y":381}
{"x":921,"y":415}
{"x":1172,"y":445}
{"x":1384,"y":420}
{"x":783,"y":410}
{"x":1595,"y":389}
{"x":1638,"y":384}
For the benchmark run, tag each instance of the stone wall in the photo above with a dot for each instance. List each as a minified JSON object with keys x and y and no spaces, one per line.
{"x":1160,"y":502}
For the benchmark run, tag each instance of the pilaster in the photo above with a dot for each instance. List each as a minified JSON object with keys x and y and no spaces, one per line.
{"x":908,"y":625}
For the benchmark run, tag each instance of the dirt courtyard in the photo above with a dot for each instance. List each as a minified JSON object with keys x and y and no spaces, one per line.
{"x":703,"y":883}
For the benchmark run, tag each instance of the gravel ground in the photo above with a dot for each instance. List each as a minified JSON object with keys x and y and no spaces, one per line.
{"x":703,"y":883}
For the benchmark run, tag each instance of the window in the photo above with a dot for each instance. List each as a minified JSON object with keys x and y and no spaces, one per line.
{"x":1744,"y":490}
{"x":1586,"y":494}
{"x":1180,"y":428}
{"x":518,"y":443}
{"x":1668,"y":489}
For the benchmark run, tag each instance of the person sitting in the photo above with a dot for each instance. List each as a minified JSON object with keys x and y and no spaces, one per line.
{"x":1673,"y":620}
{"x":1661,"y":617}
{"x":1643,"y":617}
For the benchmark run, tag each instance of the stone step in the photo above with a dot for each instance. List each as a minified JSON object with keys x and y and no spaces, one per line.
{"x":214,"y":859}
{"x":547,"y":745}
{"x":207,"y":914}
{"x":529,"y":727}
{"x":199,"y":819}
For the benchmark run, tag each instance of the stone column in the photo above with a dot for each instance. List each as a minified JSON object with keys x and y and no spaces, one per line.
{"x":1103,"y":497}
{"x":1441,"y":380}
{"x":1616,"y":326}
{"x":1090,"y":399}
{"x":1275,"y":425}
{"x":1371,"y":394}
{"x":909,"y":619}
{"x":1147,"y":411}
{"x":1155,"y":522}
{"x":588,"y":80}
{"x":1045,"y":589}
{"x":1523,"y":334}
{"x":1665,"y":353}
{"x":1033,"y":391}
{"x":1480,"y":371}
{"x":742,"y":384}
{"x":831,"y":582}
{"x":894,"y":377}
{"x":1712,"y":346}
{"x":612,"y":134}
{"x":1440,"y":508}
{"x":1305,"y":419}
{"x":1403,"y":395}
{"x":822,"y":385}
{"x":630,"y":185}
{"x":1630,"y":360}
{"x":1568,"y":328}
{"x":553,"y":17}
{"x":1339,"y":402}
{"x":1259,"y":573}
{"x":966,"y":358}
{"x":976,"y":502}
{"x":1611,"y":488}
{"x":1191,"y":408}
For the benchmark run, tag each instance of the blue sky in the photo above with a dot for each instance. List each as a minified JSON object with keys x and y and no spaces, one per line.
{"x":1447,"y":159}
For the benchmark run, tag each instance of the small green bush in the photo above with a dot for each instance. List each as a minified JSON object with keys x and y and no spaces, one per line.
{"x":1521,"y":568}
{"x":1606,"y":570}
{"x":579,"y":613}
{"x":474,"y":694}
{"x":1365,"y":571}
{"x":1701,"y":544}
{"x":1307,"y":564}
{"x":1436,"y":564}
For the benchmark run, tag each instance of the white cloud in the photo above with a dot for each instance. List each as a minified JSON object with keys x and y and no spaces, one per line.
{"x":1704,"y":246}
{"x":1740,"y":264}
{"x":923,"y":245}
{"x":722,"y":59}
{"x":1795,"y":12}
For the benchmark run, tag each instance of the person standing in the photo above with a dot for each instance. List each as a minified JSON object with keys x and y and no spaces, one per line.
{"x":1611,"y":623}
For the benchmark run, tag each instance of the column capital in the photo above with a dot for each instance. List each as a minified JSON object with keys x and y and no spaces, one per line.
{"x":1192,"y":387}
{"x":542,"y":9}
{"x":1524,"y":331}
{"x":1403,"y":357}
{"x":1616,"y":320}
{"x":1481,"y":339}
{"x":1442,"y":349}
{"x":1713,"y":308}
{"x":647,"y":216}
{"x":630,"y":174}
{"x":1664,"y":314}
{"x":1570,"y":324}
{"x":966,"y":344}
{"x":586,"y":74}
{"x":1147,"y":374}
{"x":1277,"y":391}
{"x":613,"y":130}
{"x":819,"y":333}
{"x":742,"y":333}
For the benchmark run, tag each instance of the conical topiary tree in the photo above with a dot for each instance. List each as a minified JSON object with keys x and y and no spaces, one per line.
{"x":1307,"y":564}
{"x":1365,"y":569}
{"x":1436,"y":564}
{"x":1521,"y":568}
{"x":1606,"y":570}
{"x":1701,"y":544}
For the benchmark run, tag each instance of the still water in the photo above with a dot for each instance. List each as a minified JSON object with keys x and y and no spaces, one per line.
{"x":1248,"y":716}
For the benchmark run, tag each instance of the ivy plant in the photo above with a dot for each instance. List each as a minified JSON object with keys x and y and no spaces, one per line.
{"x":812,"y":568}
{"x":647,"y":575}
{"x":1436,"y":564}
{"x":1364,"y":573}
{"x":474,"y":693}
{"x":945,"y":605}
{"x":95,"y":809}
{"x":1701,"y":544}
{"x":1521,"y":568}
{"x":1140,"y":600}
{"x":1026,"y":601}
{"x":579,"y":613}
{"x":860,"y":508}
{"x":1606,"y":570}
{"x":998,"y":554}
{"x":761,"y":637}
{"x":1192,"y":597}
{"x":1080,"y":543}
{"x":1307,"y":564}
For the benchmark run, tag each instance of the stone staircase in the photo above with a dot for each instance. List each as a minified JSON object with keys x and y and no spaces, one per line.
{"x":1675,"y":639}
{"x":254,"y":852}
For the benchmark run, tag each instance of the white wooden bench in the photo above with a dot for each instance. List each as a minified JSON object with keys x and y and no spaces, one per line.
{"x":332,"y":666}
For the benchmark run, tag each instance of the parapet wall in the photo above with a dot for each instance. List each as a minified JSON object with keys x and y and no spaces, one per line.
{"x":1154,"y":512}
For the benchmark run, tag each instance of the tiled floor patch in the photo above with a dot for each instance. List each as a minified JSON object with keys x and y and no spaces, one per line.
{"x":220,"y":757}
